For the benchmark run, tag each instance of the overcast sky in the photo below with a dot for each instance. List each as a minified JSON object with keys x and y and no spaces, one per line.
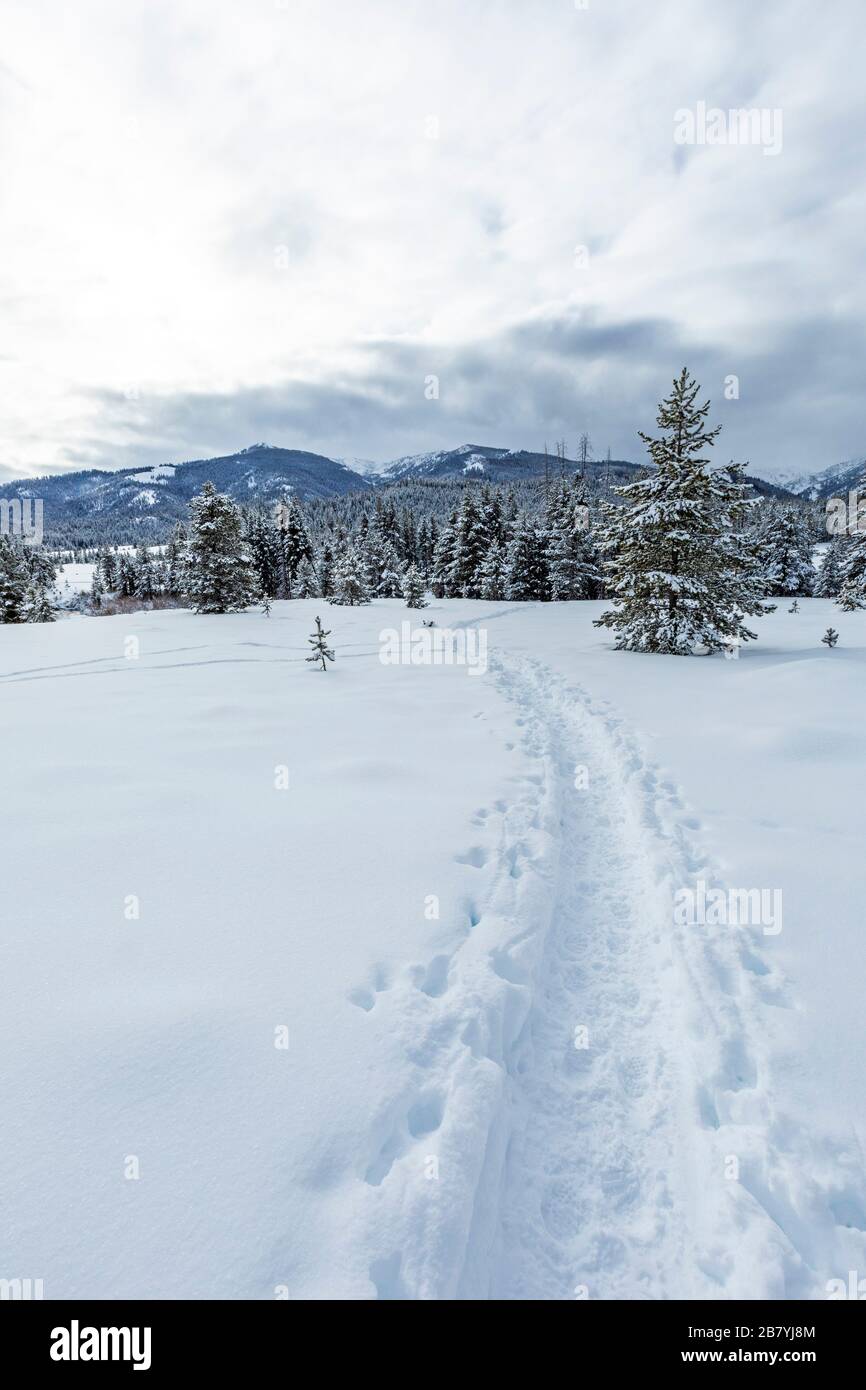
{"x":222,"y":223}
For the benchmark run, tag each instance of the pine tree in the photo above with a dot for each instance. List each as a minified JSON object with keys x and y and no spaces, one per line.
{"x":306,"y":582}
{"x":574,"y":567}
{"x":174,"y":553}
{"x":829,"y":580}
{"x":471,"y":543}
{"x":349,"y":581}
{"x":413,"y":589}
{"x":443,"y":559}
{"x":106,"y":568}
{"x":383,"y":568}
{"x":144,"y":576}
{"x":218,"y":572}
{"x":852,"y":564}
{"x":679,"y":568}
{"x":264,"y":544}
{"x":325,"y":570}
{"x":96,"y":590}
{"x":126,"y":576}
{"x":15,"y":580}
{"x":830,"y":638}
{"x":294,"y":544}
{"x":36,"y":607}
{"x":527,"y":576}
{"x":319,"y":642}
{"x":493,"y":573}
{"x":784,"y":546}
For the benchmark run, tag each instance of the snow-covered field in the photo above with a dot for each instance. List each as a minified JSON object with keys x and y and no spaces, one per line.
{"x":372,"y":984}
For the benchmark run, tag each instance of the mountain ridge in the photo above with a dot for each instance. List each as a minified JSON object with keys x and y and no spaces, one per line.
{"x":148,"y":501}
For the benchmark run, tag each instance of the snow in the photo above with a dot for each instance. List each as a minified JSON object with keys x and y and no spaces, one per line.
{"x":157,"y":474}
{"x":439,"y":1125}
{"x":73,"y":580}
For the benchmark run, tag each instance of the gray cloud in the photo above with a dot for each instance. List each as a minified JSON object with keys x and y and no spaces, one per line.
{"x":152,"y":172}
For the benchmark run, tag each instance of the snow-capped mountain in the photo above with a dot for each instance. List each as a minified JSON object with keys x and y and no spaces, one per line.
{"x":837,"y":480}
{"x":496,"y":465}
{"x":144,"y":503}
{"x":160,"y":495}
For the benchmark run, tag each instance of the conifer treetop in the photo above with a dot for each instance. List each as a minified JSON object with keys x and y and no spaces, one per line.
{"x":683,"y":424}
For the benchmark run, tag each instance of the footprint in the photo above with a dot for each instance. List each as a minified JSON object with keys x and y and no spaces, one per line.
{"x":507,"y":968}
{"x":385,"y":1275}
{"x":382,"y":1164}
{"x":425,"y":1115}
{"x":564,"y":1210}
{"x":476,"y":857}
{"x":433,"y":980}
{"x":847,"y":1211}
{"x":365,"y":995}
{"x":739,"y":1072}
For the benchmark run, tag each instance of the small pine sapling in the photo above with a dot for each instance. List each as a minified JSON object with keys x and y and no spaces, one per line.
{"x":795,"y":607}
{"x":830,"y":638}
{"x":318,"y":641}
{"x":413,"y":589}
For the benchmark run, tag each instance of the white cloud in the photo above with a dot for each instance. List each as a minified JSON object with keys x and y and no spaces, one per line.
{"x":207,"y":206}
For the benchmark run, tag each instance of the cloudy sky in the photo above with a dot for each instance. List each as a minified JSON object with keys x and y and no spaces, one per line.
{"x":222,"y":223}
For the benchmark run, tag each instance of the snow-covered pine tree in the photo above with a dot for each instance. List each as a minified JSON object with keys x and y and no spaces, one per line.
{"x":15,"y":579}
{"x":471,"y":543}
{"x":306,"y":582}
{"x":829,"y":580}
{"x":678,"y":566}
{"x":321,"y":652}
{"x":493,"y":573}
{"x":413,"y":589}
{"x":97,"y":590}
{"x":424,"y":548}
{"x":218,"y":571}
{"x":264,"y":543}
{"x":324,"y":564}
{"x":294,"y":544}
{"x":527,"y":574}
{"x":830,"y":638}
{"x":491,"y":515}
{"x":784,"y":546}
{"x":852,"y":589}
{"x":389,"y":582}
{"x":106,"y":569}
{"x":36,"y":607}
{"x":573,"y":561}
{"x":145,"y":586}
{"x":349,"y":580}
{"x":443,"y":558}
{"x":174,"y":552}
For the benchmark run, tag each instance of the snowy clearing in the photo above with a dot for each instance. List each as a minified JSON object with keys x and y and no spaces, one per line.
{"x":509,"y":1072}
